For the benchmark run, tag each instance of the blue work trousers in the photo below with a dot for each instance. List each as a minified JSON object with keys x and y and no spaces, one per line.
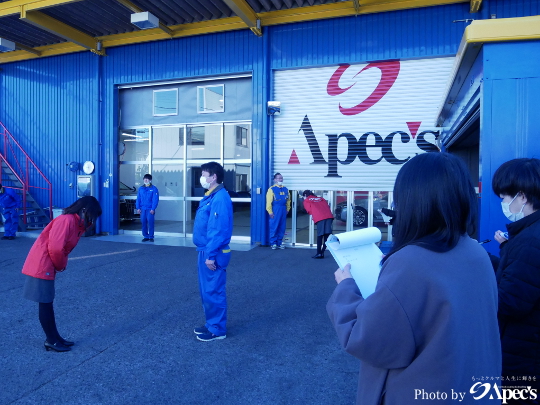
{"x":278,"y":224}
{"x":147,"y":223}
{"x":11,"y":221}
{"x":213,"y":295}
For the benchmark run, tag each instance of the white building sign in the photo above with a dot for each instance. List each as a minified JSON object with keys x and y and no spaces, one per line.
{"x":351,"y":127}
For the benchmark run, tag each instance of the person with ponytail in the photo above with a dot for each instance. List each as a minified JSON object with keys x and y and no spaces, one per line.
{"x":48,"y":256}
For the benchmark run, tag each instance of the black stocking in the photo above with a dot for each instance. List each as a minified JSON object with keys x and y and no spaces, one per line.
{"x":48,"y":323}
{"x":324,"y":242}
{"x":319,"y":243}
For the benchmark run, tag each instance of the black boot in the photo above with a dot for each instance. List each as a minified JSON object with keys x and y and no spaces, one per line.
{"x":319,"y":256}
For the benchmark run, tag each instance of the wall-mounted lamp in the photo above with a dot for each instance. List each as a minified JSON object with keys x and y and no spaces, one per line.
{"x":145,"y":20}
{"x":6,"y":46}
{"x":273,"y":108}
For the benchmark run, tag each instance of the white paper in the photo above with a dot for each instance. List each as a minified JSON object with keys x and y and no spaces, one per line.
{"x":358,"y":248}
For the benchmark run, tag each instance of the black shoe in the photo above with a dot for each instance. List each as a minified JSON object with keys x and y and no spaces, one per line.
{"x":319,"y":256}
{"x":151,"y":240}
{"x":11,"y":237}
{"x":5,"y":237}
{"x":201,"y":330}
{"x":208,"y":337}
{"x":57,"y":347}
{"x":146,"y":239}
{"x":66,"y":342}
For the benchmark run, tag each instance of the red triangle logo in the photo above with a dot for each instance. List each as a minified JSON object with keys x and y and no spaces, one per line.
{"x":413,"y":127}
{"x":293,"y":160}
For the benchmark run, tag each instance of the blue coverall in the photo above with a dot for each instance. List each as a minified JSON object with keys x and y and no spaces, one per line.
{"x":212,"y":233}
{"x":147,"y":200}
{"x":10,"y":202}
{"x":280,"y":207}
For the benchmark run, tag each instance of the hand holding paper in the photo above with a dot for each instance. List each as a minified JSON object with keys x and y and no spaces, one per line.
{"x":358,"y":248}
{"x":342,"y":274}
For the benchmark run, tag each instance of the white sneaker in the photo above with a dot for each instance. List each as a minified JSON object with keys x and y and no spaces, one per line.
{"x":281,"y":246}
{"x":274,"y":247}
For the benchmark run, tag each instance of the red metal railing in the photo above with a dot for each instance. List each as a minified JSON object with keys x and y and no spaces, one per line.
{"x":21,"y":166}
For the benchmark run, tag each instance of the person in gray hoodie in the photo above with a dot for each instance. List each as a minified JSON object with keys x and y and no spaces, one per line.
{"x":429,"y":332}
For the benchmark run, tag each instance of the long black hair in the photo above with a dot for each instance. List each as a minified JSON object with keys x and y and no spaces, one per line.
{"x":87,"y":208}
{"x":435,"y":203}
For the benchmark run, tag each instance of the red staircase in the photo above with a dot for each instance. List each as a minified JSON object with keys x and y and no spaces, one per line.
{"x":21,"y":173}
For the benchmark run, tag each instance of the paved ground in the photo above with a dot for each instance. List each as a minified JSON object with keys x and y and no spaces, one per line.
{"x":131,"y":309}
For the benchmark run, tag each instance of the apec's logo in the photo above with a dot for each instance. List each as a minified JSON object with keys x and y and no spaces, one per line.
{"x":379,"y":146}
{"x":389,"y":74}
{"x":359,"y":147}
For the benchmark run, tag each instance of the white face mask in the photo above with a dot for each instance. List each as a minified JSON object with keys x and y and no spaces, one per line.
{"x":279,"y":183}
{"x":204,"y":184}
{"x":146,"y":181}
{"x":510,"y":215}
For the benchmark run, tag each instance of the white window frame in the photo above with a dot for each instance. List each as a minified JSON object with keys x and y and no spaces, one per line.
{"x":204,"y":104}
{"x":154,"y":103}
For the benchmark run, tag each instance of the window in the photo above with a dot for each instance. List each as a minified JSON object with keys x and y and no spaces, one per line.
{"x":196,"y":136}
{"x":210,"y":99}
{"x":135,"y":144}
{"x":241,"y":136}
{"x":165,"y":102}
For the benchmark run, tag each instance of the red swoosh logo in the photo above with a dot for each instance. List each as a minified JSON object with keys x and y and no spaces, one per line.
{"x":389,"y":74}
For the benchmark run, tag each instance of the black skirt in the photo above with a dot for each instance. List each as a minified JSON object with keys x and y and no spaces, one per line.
{"x":324,"y":227}
{"x":38,"y":290}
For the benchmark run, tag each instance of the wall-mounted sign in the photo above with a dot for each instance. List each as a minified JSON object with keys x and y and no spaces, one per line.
{"x":351,"y":127}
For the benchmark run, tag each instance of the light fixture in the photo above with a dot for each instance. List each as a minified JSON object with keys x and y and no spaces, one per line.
{"x":6,"y":46}
{"x":145,"y":20}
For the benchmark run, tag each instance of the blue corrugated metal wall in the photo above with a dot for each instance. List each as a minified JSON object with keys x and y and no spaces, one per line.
{"x":50,"y":107}
{"x":65,"y":108}
{"x":510,"y":120}
{"x":415,"y":33}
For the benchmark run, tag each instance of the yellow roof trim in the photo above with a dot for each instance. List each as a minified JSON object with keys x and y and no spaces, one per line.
{"x":503,"y":29}
{"x":14,"y":6}
{"x":243,"y":10}
{"x":47,"y":50}
{"x":345,"y":9}
{"x":340,"y":9}
{"x":475,"y":6}
{"x":47,"y":23}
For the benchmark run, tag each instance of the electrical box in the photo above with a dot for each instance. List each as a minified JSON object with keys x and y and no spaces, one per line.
{"x":85,"y":185}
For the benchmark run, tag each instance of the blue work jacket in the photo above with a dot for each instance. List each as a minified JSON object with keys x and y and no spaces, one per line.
{"x":9,"y":198}
{"x":213,"y":223}
{"x":147,"y":198}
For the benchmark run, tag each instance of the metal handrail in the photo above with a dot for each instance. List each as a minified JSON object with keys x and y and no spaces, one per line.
{"x":24,"y":178}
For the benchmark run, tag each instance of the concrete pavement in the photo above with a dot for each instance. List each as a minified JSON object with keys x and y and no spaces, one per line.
{"x":131,"y":309}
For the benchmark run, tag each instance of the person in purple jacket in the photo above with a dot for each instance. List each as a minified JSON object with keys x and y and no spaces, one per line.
{"x":429,"y":332}
{"x":147,"y":202}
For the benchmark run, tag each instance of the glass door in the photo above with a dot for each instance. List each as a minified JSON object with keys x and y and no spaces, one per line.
{"x":173,"y":155}
{"x":168,"y":150}
{"x":134,"y":163}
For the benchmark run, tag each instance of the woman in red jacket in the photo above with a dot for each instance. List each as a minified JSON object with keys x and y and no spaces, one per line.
{"x":319,"y":209}
{"x":49,"y":255}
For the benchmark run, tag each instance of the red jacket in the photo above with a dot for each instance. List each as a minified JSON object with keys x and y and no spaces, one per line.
{"x":50,"y":251}
{"x":318,"y":208}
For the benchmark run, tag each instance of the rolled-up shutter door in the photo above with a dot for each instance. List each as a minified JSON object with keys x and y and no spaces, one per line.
{"x":352,"y":127}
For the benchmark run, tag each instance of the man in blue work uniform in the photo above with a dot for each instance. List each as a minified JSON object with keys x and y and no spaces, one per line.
{"x":147,"y":202}
{"x":211,"y":234}
{"x":10,"y":202}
